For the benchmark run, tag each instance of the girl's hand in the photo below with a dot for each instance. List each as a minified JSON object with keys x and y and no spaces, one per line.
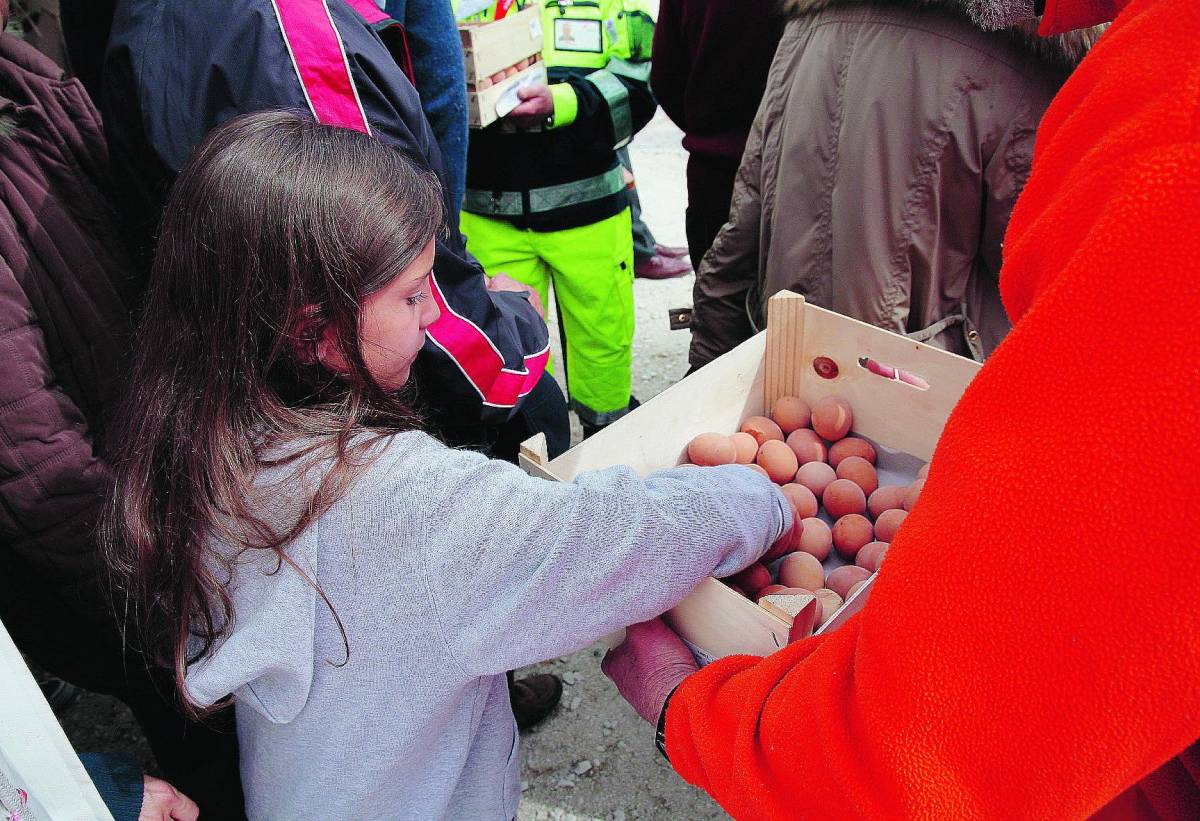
{"x":162,"y":802}
{"x":648,"y":665}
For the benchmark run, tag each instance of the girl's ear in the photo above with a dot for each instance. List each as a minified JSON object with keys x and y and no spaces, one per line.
{"x":328,"y":352}
{"x":309,"y":337}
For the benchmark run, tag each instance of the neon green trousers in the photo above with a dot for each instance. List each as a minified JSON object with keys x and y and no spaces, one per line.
{"x":591,"y":269}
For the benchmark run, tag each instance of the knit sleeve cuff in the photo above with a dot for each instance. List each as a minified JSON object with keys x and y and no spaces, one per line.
{"x":566,"y":104}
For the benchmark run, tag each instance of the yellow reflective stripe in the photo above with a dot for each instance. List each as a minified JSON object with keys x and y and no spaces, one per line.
{"x":496,"y":203}
{"x":566,"y":104}
{"x":617,"y":97}
{"x":553,"y":197}
{"x":639,"y":71}
{"x":549,"y":198}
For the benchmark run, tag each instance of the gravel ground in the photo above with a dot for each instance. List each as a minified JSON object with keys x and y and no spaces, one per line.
{"x":594,"y":758}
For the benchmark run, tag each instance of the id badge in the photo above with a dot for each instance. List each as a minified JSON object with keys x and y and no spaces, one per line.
{"x":578,"y":35}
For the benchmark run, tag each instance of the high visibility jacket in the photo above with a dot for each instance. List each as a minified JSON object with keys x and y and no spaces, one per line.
{"x":566,"y":174}
{"x":177,"y":68}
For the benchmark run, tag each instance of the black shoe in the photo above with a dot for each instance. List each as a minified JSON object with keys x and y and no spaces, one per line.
{"x":534,"y":697}
{"x":59,"y":693}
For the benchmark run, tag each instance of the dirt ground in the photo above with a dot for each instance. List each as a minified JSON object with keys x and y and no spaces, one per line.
{"x":594,"y":758}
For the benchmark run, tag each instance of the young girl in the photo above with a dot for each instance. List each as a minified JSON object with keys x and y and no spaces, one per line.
{"x":291,"y":543}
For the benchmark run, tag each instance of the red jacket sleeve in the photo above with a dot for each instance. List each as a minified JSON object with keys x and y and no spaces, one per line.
{"x":1032,"y":645}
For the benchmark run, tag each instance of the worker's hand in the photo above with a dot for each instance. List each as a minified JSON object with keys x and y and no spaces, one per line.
{"x":536,"y":105}
{"x":648,"y":665}
{"x":503,"y":282}
{"x":162,"y":802}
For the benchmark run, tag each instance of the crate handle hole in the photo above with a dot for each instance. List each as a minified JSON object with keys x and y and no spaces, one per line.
{"x":893,"y":373}
{"x":825,"y":367}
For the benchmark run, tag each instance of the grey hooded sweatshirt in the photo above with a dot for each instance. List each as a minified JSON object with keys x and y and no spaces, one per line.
{"x":446,"y":569}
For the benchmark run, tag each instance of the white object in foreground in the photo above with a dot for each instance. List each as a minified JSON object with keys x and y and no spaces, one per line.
{"x":35,"y":755}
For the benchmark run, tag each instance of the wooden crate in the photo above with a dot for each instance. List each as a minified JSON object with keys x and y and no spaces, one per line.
{"x":492,"y":47}
{"x":800,"y":340}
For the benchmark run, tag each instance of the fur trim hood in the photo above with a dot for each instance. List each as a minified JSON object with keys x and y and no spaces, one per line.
{"x":1063,"y":49}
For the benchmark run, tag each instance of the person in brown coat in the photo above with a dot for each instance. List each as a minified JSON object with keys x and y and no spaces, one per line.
{"x":66,"y":295}
{"x":878,"y":179}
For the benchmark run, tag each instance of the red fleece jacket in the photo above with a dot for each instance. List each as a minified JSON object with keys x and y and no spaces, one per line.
{"x":1031,"y":648}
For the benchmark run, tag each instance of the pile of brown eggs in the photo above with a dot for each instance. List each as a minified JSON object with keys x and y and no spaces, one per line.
{"x":808,"y":452}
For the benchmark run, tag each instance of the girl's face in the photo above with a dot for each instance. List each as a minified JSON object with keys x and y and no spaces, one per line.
{"x":393,"y":324}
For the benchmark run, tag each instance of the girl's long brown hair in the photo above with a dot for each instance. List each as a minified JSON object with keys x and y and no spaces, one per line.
{"x":275,"y":231}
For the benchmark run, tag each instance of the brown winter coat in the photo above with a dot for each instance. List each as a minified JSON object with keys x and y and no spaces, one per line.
{"x":887,"y":153}
{"x":64,"y":290}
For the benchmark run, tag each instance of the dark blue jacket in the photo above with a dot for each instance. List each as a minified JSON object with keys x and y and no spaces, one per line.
{"x":176,"y":68}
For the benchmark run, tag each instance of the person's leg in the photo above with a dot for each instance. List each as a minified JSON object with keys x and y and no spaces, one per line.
{"x":650,"y":259}
{"x":593,"y":282}
{"x":643,"y":239}
{"x":710,"y":190}
{"x":503,"y":249}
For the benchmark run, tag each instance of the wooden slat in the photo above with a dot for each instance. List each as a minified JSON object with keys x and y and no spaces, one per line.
{"x":492,"y":47}
{"x":720,"y":622}
{"x":785,"y":347}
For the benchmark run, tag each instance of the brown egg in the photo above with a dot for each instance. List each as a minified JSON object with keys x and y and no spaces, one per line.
{"x":850,"y":533}
{"x":801,"y":570}
{"x":815,"y":476}
{"x":913,"y":493}
{"x":790,"y":413}
{"x":832,"y":418}
{"x":804,"y":501}
{"x":778,"y":461}
{"x":888,"y":497}
{"x":870,"y":556}
{"x":851,"y":446}
{"x":497,"y":77}
{"x":746,"y":447}
{"x":859,"y":471}
{"x":816,"y":539}
{"x":843,"y":497}
{"x":807,"y":446}
{"x":841,"y":579}
{"x":709,"y":449}
{"x":762,"y":429}
{"x":855,"y":589}
{"x":888,"y":523}
{"x":923,"y":471}
{"x":830,"y":602}
{"x":753,"y":579}
{"x":758,"y":469}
